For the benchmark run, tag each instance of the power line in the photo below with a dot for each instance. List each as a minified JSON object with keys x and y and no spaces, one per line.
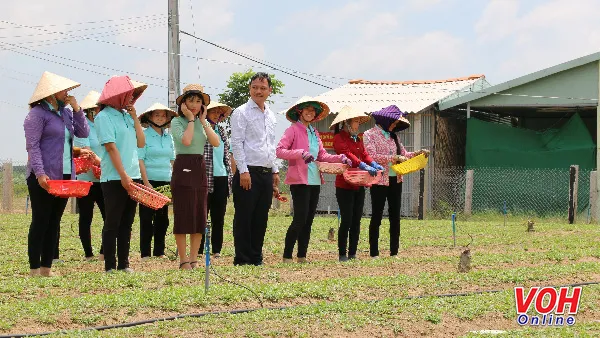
{"x":195,"y":44}
{"x":251,"y":59}
{"x":85,"y":23}
{"x":76,"y":38}
{"x":140,"y":48}
{"x":85,"y":29}
{"x":274,"y":64}
{"x":94,"y":65}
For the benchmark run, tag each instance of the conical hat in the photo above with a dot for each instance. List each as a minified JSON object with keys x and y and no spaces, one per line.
{"x":90,"y":101}
{"x":194,"y":88}
{"x":51,"y":84}
{"x":347,"y":113}
{"x":117,"y":92}
{"x":158,"y":106}
{"x":227,"y":109}
{"x":139,"y":88}
{"x":293,"y":112}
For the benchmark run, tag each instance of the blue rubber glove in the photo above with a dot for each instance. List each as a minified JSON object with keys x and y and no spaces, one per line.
{"x":376,"y":165}
{"x":372,"y":171}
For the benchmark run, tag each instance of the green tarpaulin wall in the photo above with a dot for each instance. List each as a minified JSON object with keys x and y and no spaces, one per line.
{"x":495,"y":145}
{"x":528,"y":160}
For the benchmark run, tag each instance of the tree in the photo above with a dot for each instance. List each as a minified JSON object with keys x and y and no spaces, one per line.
{"x":238,"y":92}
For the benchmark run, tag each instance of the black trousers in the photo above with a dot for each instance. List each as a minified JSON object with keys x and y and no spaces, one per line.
{"x":251,"y":216}
{"x":153,"y":223}
{"x":116,"y":234}
{"x":86,"y":215}
{"x":217,"y":205}
{"x":305,"y":199}
{"x":393,"y":194}
{"x":351,"y":204}
{"x":46,"y":212}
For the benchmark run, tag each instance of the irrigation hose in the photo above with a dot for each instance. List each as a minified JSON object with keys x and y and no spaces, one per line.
{"x":234,"y":312}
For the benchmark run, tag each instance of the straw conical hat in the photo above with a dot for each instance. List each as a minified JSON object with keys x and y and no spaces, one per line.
{"x":194,"y":88}
{"x":347,"y":113}
{"x":50,"y":84}
{"x":90,"y":101}
{"x":227,"y":109}
{"x":292,"y":114}
{"x":138,"y":89}
{"x":158,"y":106}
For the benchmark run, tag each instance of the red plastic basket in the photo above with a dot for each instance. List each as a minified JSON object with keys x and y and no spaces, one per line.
{"x":97,"y":171}
{"x":82,"y":164}
{"x":332,"y":168}
{"x":362,"y":178}
{"x":69,"y":188}
{"x":148,"y":197}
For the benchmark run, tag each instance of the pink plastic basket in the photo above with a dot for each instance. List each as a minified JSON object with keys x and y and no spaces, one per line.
{"x":362,"y":178}
{"x":332,"y":168}
{"x":148,"y":197}
{"x":69,"y":188}
{"x":97,"y":171}
{"x":82,"y":164}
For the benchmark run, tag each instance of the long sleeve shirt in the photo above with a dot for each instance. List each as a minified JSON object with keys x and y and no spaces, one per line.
{"x":382,"y":149}
{"x":294,"y":142}
{"x":45,"y":139}
{"x":253,"y":137}
{"x":354,"y":149}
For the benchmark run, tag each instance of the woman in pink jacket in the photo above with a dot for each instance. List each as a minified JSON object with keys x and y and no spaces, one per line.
{"x":301,"y":146}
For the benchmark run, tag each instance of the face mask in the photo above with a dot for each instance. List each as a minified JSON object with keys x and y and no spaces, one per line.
{"x":60,"y":103}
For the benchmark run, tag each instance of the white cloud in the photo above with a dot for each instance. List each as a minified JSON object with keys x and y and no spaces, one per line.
{"x":498,"y":20}
{"x":430,"y":55}
{"x":553,"y":32}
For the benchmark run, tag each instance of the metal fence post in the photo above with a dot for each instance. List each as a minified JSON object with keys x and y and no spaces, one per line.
{"x":7,"y":187}
{"x":421,"y":193}
{"x":593,"y":196}
{"x":573,"y":189}
{"x":469,"y":192}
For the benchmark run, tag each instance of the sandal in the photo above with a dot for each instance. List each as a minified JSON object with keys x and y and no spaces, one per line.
{"x":182,"y":264}
{"x":194,"y":264}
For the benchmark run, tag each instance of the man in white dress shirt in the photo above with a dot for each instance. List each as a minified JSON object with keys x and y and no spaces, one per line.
{"x":257,"y":179}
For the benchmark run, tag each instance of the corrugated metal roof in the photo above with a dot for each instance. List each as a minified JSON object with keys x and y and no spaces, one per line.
{"x":409,"y":96}
{"x":503,"y":87}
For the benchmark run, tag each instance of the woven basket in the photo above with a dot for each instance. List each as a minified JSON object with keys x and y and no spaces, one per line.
{"x":83,"y":164}
{"x":69,"y":188}
{"x":97,"y":171}
{"x":148,"y":197}
{"x":332,"y":168}
{"x":414,"y":164}
{"x":362,"y":178}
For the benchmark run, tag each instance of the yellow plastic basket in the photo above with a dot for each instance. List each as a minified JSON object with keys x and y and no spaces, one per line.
{"x":416,"y":163}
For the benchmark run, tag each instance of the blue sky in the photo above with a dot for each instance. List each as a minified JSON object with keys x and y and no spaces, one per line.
{"x":374,"y":40}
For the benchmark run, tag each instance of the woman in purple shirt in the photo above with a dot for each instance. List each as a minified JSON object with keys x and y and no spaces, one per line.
{"x":49,"y":130}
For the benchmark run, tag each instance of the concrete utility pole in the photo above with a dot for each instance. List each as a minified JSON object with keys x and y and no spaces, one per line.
{"x":174,"y":52}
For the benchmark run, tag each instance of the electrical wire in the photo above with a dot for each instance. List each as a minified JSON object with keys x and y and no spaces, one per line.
{"x":91,"y":22}
{"x":143,"y":48}
{"x":271,"y":64}
{"x":137,"y":23}
{"x":254,"y":60}
{"x":195,"y":44}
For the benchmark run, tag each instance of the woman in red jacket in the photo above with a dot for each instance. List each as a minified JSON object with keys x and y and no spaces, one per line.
{"x":350,"y":198}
